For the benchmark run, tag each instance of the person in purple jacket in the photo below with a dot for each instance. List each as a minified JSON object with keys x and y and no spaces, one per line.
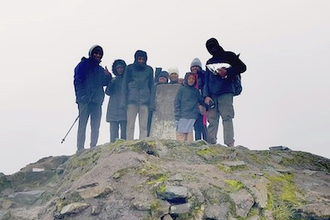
{"x":89,"y":81}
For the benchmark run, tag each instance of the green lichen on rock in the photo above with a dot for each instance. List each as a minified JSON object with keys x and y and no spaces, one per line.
{"x":5,"y":183}
{"x":86,"y":161}
{"x":282,"y":196}
{"x":212,"y":154}
{"x":158,"y":179}
{"x":69,"y":198}
{"x":234,"y":185}
{"x":304,"y":160}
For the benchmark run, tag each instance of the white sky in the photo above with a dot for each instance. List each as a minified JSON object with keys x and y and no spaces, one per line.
{"x":285,"y":45}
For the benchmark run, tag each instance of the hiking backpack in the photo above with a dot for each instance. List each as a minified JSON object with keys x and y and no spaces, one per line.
{"x":237,"y":84}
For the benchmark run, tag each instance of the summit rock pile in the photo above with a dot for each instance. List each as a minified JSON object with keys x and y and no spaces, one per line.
{"x":155,"y":179}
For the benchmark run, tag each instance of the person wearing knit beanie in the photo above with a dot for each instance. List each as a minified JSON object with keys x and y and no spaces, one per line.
{"x":200,"y":124}
{"x":163,"y":77}
{"x":196,"y":62}
{"x":174,"y":75}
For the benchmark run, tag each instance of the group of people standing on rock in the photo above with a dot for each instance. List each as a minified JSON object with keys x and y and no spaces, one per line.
{"x":204,"y":96}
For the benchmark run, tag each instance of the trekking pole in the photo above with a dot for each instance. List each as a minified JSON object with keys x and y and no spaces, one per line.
{"x":67,"y":133}
{"x":69,"y":129}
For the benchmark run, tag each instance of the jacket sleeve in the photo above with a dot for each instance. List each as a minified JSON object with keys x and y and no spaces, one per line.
{"x":205,"y":91}
{"x":201,"y":99}
{"x":152,"y":105}
{"x":237,"y":65}
{"x":152,"y":89}
{"x":78,"y":81}
{"x":177,"y":104}
{"x":123,"y":98}
{"x":110,"y":87}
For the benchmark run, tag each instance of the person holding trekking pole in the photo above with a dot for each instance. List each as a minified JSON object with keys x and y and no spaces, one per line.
{"x":89,"y":81}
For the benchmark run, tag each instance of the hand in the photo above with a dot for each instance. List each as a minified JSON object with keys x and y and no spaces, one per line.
{"x":106,"y":71}
{"x":207,"y":100}
{"x":222,"y":72}
{"x":202,"y":109}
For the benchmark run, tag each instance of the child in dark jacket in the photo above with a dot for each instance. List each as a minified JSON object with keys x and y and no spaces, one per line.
{"x":186,"y":108}
{"x":116,"y":116}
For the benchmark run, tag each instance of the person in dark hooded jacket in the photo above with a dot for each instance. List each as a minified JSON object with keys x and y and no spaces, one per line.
{"x":116,"y":116}
{"x":89,"y":81}
{"x":137,"y":90}
{"x":186,"y":108}
{"x":218,"y":89}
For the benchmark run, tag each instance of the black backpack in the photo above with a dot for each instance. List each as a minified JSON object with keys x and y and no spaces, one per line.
{"x":237,"y":84}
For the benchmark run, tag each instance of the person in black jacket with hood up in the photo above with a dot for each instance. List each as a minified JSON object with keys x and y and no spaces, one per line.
{"x":89,"y":80}
{"x":116,"y":116}
{"x":218,"y":90}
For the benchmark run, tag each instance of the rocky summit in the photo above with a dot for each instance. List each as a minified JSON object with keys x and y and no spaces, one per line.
{"x":154,"y":179}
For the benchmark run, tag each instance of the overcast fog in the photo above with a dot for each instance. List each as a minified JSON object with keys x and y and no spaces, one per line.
{"x":285,"y":45}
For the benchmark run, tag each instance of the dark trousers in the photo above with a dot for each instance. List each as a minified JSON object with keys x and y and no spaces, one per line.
{"x":150,"y":114}
{"x":86,"y":110}
{"x":200,"y":128}
{"x":115,"y":126}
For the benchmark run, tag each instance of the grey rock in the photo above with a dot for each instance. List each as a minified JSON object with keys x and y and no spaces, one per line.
{"x":174,"y":193}
{"x":181,"y":208}
{"x":234,"y":163}
{"x":123,"y":181}
{"x":74,"y":208}
{"x":243,"y":202}
{"x":27,"y":198}
{"x":217,"y":211}
{"x":279,"y":148}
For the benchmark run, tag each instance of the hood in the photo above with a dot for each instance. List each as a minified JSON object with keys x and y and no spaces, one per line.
{"x":95,"y":48}
{"x":213,"y":46}
{"x":186,"y":79}
{"x":117,"y":63}
{"x":163,"y":74}
{"x":140,"y":53}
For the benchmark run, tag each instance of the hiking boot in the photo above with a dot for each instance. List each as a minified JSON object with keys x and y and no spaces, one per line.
{"x":231,"y":145}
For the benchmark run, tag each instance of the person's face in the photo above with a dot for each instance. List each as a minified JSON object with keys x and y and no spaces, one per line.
{"x":120,"y":70}
{"x":97,"y":55}
{"x":162,"y":80}
{"x":195,"y":69}
{"x":174,"y":77}
{"x":141,"y":60}
{"x":191,"y":80}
